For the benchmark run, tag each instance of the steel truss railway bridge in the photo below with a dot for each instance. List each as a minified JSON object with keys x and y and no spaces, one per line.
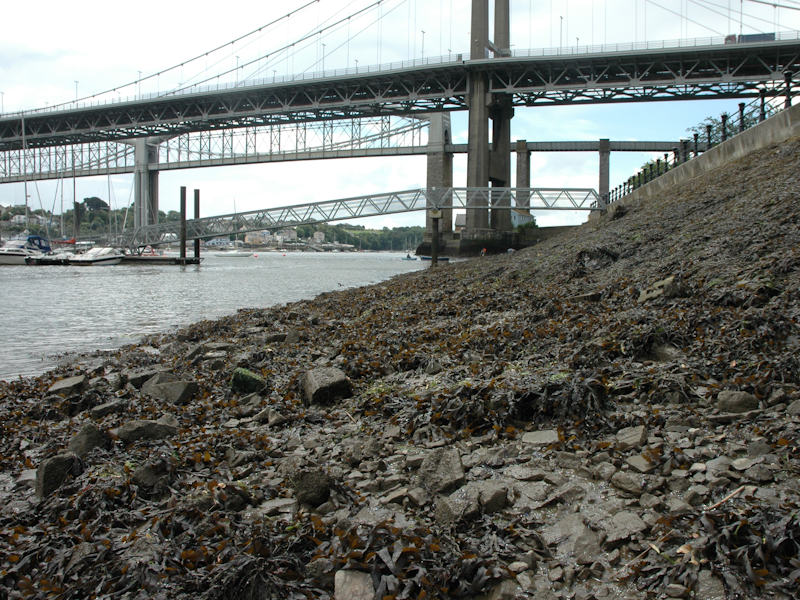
{"x":208,"y":127}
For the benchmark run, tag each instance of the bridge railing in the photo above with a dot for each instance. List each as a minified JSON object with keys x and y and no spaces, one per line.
{"x":271,"y":219}
{"x":770,"y":102}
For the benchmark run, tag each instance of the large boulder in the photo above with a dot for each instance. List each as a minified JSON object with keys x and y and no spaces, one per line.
{"x":174,"y":392}
{"x":736,"y":402}
{"x":55,"y":470}
{"x":325,"y":385}
{"x":68,"y":386}
{"x":442,"y":471}
{"x":90,"y":436}
{"x":244,"y":381}
{"x":145,"y":430}
{"x":353,"y":585}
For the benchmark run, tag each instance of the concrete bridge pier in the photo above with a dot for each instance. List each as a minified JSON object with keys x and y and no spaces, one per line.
{"x":523,"y":172}
{"x":605,"y":164}
{"x":501,"y":113}
{"x":477,"y":222}
{"x":145,"y":182}
{"x":439,"y":181}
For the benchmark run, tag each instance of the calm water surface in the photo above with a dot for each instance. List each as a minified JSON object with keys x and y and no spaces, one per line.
{"x":54,"y":310}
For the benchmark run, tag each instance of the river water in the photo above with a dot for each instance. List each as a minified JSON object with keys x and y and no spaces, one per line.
{"x":48,"y":311}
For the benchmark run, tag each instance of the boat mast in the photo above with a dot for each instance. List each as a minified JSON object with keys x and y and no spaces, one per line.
{"x":25,"y":171}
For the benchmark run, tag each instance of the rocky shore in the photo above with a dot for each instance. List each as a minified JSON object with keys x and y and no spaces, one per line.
{"x":612,"y":413}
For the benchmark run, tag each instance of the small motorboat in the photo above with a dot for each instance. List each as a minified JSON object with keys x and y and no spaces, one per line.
{"x":234,"y":254}
{"x":55,"y":258}
{"x":98,"y":256}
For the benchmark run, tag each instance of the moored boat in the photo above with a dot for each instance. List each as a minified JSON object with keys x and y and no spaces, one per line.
{"x":15,"y":252}
{"x":98,"y":256}
{"x":234,"y":254}
{"x":43,"y":260}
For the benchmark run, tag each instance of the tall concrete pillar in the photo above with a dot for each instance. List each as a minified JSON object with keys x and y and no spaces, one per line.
{"x":145,"y":182}
{"x":523,"y":173}
{"x":501,"y":113}
{"x":605,"y":164}
{"x":440,"y":172}
{"x":478,"y":136}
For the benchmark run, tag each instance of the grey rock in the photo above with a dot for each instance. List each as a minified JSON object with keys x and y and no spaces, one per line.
{"x":586,"y":547}
{"x":442,"y":471}
{"x":86,"y":439}
{"x":108,"y":408}
{"x":676,"y":590}
{"x":52,"y":472}
{"x":531,"y":495}
{"x":153,"y":474}
{"x":546,"y":437}
{"x":460,"y":505}
{"x":325,"y":385}
{"x":631,"y":437}
{"x":157,"y":379}
{"x":353,"y":585}
{"x":736,"y":402}
{"x":137,"y":377}
{"x":492,"y":495}
{"x":709,"y":587}
{"x":604,"y":471}
{"x":68,"y":386}
{"x":507,"y":589}
{"x":167,"y":388}
{"x":759,"y":474}
{"x":564,"y":532}
{"x":418,"y":496}
{"x":145,"y":430}
{"x":622,"y":527}
{"x":628,"y":482}
{"x":641,"y":464}
{"x":758,"y":448}
{"x":523,"y":473}
{"x":273,"y":507}
{"x":793,"y":409}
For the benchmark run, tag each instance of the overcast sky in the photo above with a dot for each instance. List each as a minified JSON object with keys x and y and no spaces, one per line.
{"x":54,"y":52}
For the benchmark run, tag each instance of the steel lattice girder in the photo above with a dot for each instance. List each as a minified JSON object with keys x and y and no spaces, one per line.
{"x":705,"y":71}
{"x":582,"y":199}
{"x":220,"y":147}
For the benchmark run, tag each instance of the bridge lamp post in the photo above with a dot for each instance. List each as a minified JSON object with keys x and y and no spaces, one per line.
{"x":237,"y":70}
{"x":76,"y":90}
{"x":323,"y":58}
{"x":422,"y":50}
{"x":2,"y":102}
{"x":356,"y":65}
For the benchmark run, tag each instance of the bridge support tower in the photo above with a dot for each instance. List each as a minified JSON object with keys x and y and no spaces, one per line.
{"x":145,"y":182}
{"x":485,"y":167}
